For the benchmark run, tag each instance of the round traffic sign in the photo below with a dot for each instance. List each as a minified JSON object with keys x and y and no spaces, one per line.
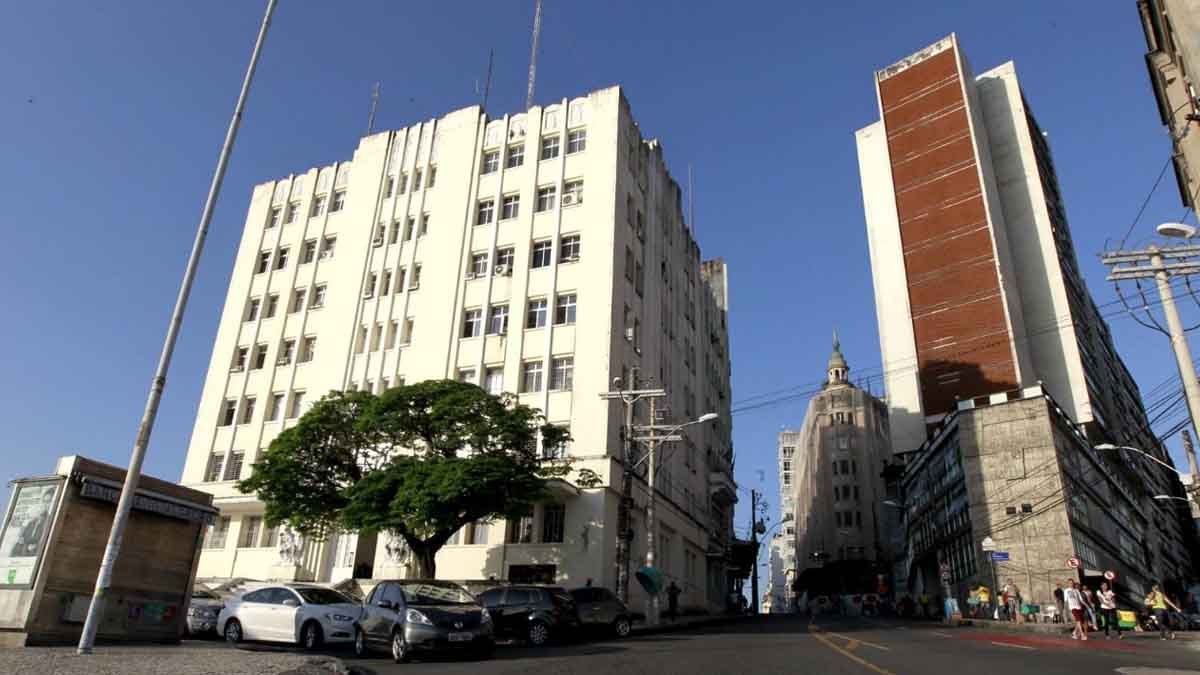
{"x":1073,"y":562}
{"x":1110,"y":575}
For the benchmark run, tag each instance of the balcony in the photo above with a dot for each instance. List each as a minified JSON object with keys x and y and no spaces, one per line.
{"x":721,"y":487}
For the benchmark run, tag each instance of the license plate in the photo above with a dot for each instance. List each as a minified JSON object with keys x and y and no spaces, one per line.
{"x":461,"y":637}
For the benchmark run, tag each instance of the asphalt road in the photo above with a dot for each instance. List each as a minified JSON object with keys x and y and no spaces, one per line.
{"x":791,"y":644}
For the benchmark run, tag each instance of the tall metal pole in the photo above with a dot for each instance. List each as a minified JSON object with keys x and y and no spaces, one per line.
{"x":537,"y":34}
{"x":754,"y":545}
{"x":651,"y":532}
{"x":1183,"y":355}
{"x":115,"y":536}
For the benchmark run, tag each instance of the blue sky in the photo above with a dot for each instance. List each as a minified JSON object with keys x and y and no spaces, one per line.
{"x":112,"y":117}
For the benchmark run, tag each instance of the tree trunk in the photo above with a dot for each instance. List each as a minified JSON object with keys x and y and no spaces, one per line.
{"x":426,"y":563}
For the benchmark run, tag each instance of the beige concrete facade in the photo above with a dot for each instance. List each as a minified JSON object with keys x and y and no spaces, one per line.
{"x":1172,"y":29}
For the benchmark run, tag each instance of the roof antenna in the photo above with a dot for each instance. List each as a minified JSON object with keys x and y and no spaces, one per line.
{"x":537,"y":33}
{"x":487,"y":83}
{"x":374,"y":107}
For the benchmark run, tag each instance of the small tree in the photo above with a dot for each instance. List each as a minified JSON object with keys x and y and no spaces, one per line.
{"x":419,"y":462}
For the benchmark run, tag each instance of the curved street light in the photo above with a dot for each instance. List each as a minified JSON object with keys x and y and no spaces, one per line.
{"x":1183,"y":477}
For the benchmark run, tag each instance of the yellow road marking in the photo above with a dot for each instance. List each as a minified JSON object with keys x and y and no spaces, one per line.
{"x":857,"y":659}
{"x":869,"y":644}
{"x":851,"y":645}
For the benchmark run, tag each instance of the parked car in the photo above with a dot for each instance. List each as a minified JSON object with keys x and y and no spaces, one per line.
{"x":304,"y":614}
{"x":415,"y":615}
{"x":202,"y":612}
{"x":601,"y":608}
{"x":535,"y":614}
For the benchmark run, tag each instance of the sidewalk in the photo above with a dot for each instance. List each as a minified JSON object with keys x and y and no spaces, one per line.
{"x":188,"y":659}
{"x":1064,"y":629}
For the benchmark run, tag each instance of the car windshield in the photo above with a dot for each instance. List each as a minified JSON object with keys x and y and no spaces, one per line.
{"x":204,"y":595}
{"x":435,"y":594}
{"x":323,"y":596}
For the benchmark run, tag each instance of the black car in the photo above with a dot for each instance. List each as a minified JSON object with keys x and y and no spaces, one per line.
{"x":531,"y":613}
{"x":601,"y":608}
{"x":412,"y":615}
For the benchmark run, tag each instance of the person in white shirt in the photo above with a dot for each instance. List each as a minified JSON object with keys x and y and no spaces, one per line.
{"x":1078,"y":608}
{"x":1108,"y":610}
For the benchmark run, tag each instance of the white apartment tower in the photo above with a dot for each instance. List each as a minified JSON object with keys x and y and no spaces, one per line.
{"x":542,"y":253}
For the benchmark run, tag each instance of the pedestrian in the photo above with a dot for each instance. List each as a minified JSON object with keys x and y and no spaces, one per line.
{"x":673,"y":601}
{"x":1158,"y":602}
{"x":1108,"y":610}
{"x":1060,"y":616}
{"x":1075,"y":604}
{"x":1012,"y":600}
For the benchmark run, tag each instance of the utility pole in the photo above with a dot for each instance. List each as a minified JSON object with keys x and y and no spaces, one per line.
{"x":374,"y":107}
{"x":629,"y":394}
{"x":1192,"y":489}
{"x":754,"y":545}
{"x":115,"y":536}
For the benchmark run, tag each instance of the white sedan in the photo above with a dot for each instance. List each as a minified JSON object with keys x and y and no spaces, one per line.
{"x":302,"y":614}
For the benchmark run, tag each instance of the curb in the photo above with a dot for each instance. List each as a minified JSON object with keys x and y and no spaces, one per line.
{"x":671,"y":627}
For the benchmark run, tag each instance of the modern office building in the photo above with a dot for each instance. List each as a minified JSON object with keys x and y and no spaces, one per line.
{"x":1172,"y":30}
{"x":543,"y":253}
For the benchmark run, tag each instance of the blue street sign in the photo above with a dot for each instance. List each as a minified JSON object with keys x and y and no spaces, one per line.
{"x":1000,"y":556}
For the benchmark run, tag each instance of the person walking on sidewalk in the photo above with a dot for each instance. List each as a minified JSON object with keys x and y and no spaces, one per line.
{"x":1059,"y":617}
{"x":1012,"y":600}
{"x":1158,"y":602}
{"x":1075,"y":605}
{"x":1108,"y":610}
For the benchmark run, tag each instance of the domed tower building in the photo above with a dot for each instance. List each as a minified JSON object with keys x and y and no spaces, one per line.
{"x":834,"y":468}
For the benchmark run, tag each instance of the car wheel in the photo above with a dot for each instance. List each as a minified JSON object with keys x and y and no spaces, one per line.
{"x":539,"y":633}
{"x":399,"y":647}
{"x":310,"y":636}
{"x":233,"y":631}
{"x":621,"y":627}
{"x":360,"y":643}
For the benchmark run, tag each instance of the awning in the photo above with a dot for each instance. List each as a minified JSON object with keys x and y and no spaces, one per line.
{"x":561,"y":488}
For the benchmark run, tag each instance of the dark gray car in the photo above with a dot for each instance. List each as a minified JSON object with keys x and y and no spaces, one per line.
{"x":600,"y":608}
{"x":411,"y":615}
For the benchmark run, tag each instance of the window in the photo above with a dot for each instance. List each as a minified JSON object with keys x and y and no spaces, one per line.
{"x":424,"y":224}
{"x":399,"y":280}
{"x":504,"y":260}
{"x":416,"y":184}
{"x":308,"y":348}
{"x":369,"y":289}
{"x":281,"y":258}
{"x":264,"y":262}
{"x":531,"y":376}
{"x":376,"y":336}
{"x":228,"y":412}
{"x":789,"y":450}
{"x":491,"y":161}
{"x":251,"y":526}
{"x":298,"y":300}
{"x":260,"y":357}
{"x":576,"y":141}
{"x":543,"y":254}
{"x":409,"y":228}
{"x":858,"y":519}
{"x":478,"y":534}
{"x":466,"y":375}
{"x":486,"y":211}
{"x":568,"y":250}
{"x":493,"y":381}
{"x":297,"y":405}
{"x":545,"y":198}
{"x":217,"y":532}
{"x":380,"y":233}
{"x":629,"y":263}
{"x":385,"y":282}
{"x":403,"y":185}
{"x":407,"y":336}
{"x":472,"y":323}
{"x":289,"y":216}
{"x":510,"y":207}
{"x":273,"y":217}
{"x":394,"y":232}
{"x":318,"y":206}
{"x":327,"y":245}
{"x":272,"y":305}
{"x":550,"y":147}
{"x":562,"y":373}
{"x":247,"y":410}
{"x":516,"y":156}
{"x":252,"y":308}
{"x":479,"y":263}
{"x":536,"y":316}
{"x":233,"y":468}
{"x":240,"y":356}
{"x":276,"y":408}
{"x":639,"y":277}
{"x":415,"y":283}
{"x":572,"y":192}
{"x":318,"y":297}
{"x":498,"y":320}
{"x":564,"y":309}
{"x":212,"y":472}
{"x":389,"y":342}
{"x":520,"y":532}
{"x":270,"y":537}
{"x":389,"y":186}
{"x":309,"y":252}
{"x":432,"y":177}
{"x":855,"y":493}
{"x":554,"y":516}
{"x":286,"y":351}
{"x":339,"y":201}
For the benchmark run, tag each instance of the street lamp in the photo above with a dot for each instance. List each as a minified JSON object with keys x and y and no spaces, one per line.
{"x":1176,"y":230}
{"x":1166,"y":497}
{"x":1184,"y":478}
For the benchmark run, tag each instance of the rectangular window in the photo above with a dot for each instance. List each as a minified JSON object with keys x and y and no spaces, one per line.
{"x":289,"y":216}
{"x":308,"y":348}
{"x":281,"y":258}
{"x":233,"y":468}
{"x":498,"y":320}
{"x":543,"y":254}
{"x":466,"y":375}
{"x":369,"y":288}
{"x":286,"y":352}
{"x":564,"y":309}
{"x":264,"y":262}
{"x":416,"y":184}
{"x":479,"y":263}
{"x":531,"y":376}
{"x":272,"y":305}
{"x":260,"y":356}
{"x":251,"y":526}
{"x":240,"y":356}
{"x":318,"y":206}
{"x":327,"y":246}
{"x":276,"y":408}
{"x":486,"y":211}
{"x":504,"y":258}
{"x":212,"y":471}
{"x":309,"y":252}
{"x":572,"y":193}
{"x":520,"y":531}
{"x":472,"y":323}
{"x":409,"y":228}
{"x":247,"y":410}
{"x":491,"y":161}
{"x":403,"y":184}
{"x":545,"y":198}
{"x":400,"y":272}
{"x":339,"y":201}
{"x":298,"y":296}
{"x":318,"y":297}
{"x":389,"y":342}
{"x":562,"y":373}
{"x":510,"y":207}
{"x":405,"y":338}
{"x":252,"y":308}
{"x":432,"y":178}
{"x":228,"y":412}
{"x":214,"y":538}
{"x":376,"y":336}
{"x":568,"y":249}
{"x":424,"y":224}
{"x":629,"y":263}
{"x":550,"y":147}
{"x":389,"y":186}
{"x":516,"y":156}
{"x":380,"y":234}
{"x":576,"y":141}
{"x":385,"y":282}
{"x":494,"y":381}
{"x":297,"y":407}
{"x":554,"y":516}
{"x":536,"y":316}
{"x":479,"y":534}
{"x":273,"y":217}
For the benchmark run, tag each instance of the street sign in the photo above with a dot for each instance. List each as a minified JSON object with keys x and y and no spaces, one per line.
{"x":1000,"y":556}
{"x":1110,"y":575}
{"x":1073,"y":562}
{"x":988,"y":544}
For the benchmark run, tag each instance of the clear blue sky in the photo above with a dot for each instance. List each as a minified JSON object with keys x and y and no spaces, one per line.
{"x":112,"y":116}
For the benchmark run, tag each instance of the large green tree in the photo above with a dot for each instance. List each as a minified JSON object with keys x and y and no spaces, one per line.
{"x":419,"y":462}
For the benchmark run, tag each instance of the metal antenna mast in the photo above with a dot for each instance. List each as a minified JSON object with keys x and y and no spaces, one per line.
{"x":487,"y":83}
{"x":537,"y":34}
{"x":374,"y":107}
